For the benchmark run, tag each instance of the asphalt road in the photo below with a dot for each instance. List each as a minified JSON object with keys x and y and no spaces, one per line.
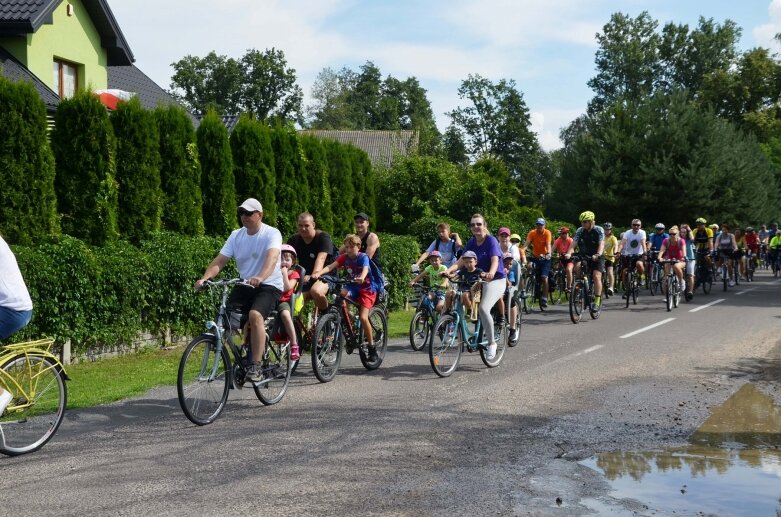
{"x":401,"y":441}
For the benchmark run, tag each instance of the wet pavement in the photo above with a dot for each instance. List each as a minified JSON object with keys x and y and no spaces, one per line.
{"x":732,"y":467}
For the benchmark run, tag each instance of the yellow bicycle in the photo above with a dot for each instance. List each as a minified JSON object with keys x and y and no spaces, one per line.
{"x":36,"y":380}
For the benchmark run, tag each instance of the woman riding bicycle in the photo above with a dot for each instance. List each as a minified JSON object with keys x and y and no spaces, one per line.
{"x":489,"y":259}
{"x":674,"y":248}
{"x":16,"y":307}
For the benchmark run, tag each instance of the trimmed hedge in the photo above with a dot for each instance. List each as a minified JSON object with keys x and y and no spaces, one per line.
{"x":109,"y":295}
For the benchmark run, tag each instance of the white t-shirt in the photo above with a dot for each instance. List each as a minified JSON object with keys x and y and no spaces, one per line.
{"x":633,"y":243}
{"x":250,"y":252}
{"x":13,"y":292}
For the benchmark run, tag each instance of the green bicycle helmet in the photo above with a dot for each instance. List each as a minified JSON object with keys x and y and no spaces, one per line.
{"x":700,"y":220}
{"x":587,"y":216}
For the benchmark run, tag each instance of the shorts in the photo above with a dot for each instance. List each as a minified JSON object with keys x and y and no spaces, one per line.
{"x":609,"y":262}
{"x":308,"y":285}
{"x":11,"y":321}
{"x":565,"y":261}
{"x":543,"y":266}
{"x":439,"y":295}
{"x":597,"y":265}
{"x":263,"y":299}
{"x":690,"y":265}
{"x":628,"y":261}
{"x":284,"y":306}
{"x":363,"y":297}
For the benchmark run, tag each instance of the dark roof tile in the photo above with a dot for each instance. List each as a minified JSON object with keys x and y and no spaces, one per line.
{"x":131,"y":79}
{"x":381,"y":146}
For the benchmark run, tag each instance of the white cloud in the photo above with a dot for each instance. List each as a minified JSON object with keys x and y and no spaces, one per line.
{"x":765,"y":34}
{"x":549,"y":122}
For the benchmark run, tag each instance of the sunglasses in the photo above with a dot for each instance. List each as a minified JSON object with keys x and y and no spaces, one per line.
{"x":636,"y":226}
{"x":475,"y":224}
{"x":243,"y":212}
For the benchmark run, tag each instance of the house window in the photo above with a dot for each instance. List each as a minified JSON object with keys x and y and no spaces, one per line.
{"x":65,"y":82}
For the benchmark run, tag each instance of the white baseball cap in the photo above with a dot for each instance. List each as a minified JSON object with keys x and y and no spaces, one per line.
{"x":251,"y":205}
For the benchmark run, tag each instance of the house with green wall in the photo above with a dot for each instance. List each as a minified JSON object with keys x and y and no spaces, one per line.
{"x":62,"y":46}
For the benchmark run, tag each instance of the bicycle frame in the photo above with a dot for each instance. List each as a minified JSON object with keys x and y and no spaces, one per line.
{"x":37,"y":348}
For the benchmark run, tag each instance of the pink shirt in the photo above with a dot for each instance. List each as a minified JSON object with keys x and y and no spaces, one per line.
{"x":674,"y":251}
{"x":562,"y":245}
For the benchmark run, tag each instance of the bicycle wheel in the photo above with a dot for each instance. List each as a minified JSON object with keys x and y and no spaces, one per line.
{"x":419,"y":330}
{"x":669,"y":293}
{"x":628,"y":288}
{"x":724,"y":276}
{"x":501,"y":335}
{"x":277,"y":367}
{"x":518,"y":323}
{"x":556,"y":288}
{"x":379,"y":337}
{"x":576,"y":301}
{"x":203,"y":380}
{"x":326,"y":347}
{"x":37,"y":386}
{"x":707,"y":283}
{"x":652,"y":282}
{"x":635,"y":290}
{"x":528,"y":297}
{"x":676,"y":294}
{"x":444,"y":350}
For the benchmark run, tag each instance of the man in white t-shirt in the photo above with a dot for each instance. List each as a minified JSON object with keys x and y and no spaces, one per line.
{"x":633,"y":244}
{"x":256,"y":248}
{"x":16,"y":307}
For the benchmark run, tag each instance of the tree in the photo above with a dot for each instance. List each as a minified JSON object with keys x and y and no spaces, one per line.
{"x":317,"y":175}
{"x":496,"y":123}
{"x":292,"y":190}
{"x":340,"y":175}
{"x":453,"y":146}
{"x":138,"y":170}
{"x":85,"y":151}
{"x":180,"y":172}
{"x":28,"y":203}
{"x":260,"y":83}
{"x":217,"y":183}
{"x":253,"y":165}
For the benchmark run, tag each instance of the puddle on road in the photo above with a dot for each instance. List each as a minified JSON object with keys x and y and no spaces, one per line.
{"x":732,"y":467}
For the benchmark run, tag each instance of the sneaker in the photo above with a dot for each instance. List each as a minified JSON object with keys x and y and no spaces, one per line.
{"x":732,"y":283}
{"x":688,"y":296}
{"x":295,"y":353}
{"x":513,"y":335}
{"x":5,"y":398}
{"x":490,"y":351}
{"x":610,"y":291}
{"x":543,"y":302}
{"x":254,"y":373}
{"x":372,"y":356}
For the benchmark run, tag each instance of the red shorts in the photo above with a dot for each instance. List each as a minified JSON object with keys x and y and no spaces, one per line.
{"x":363,"y":297}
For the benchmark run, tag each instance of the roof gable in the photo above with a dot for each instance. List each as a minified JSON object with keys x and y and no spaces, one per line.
{"x":15,"y":71}
{"x":21,"y":17}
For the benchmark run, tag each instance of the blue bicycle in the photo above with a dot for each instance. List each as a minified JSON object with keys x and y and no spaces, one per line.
{"x":424,"y":319}
{"x":451,"y":335}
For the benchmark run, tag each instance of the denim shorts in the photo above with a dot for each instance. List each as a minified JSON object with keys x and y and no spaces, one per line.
{"x":11,"y":321}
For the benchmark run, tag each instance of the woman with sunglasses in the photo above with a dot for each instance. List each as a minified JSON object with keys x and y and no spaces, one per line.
{"x":490,"y":260}
{"x":691,"y":259}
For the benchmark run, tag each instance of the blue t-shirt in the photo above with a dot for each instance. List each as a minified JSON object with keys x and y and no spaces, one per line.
{"x":656,"y":240}
{"x":489,"y":248}
{"x":355,"y":267}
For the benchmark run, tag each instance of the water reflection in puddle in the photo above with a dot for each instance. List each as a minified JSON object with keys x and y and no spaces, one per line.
{"x":732,"y":467}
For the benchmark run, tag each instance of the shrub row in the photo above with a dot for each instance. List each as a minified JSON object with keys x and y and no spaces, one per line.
{"x":108,"y":295}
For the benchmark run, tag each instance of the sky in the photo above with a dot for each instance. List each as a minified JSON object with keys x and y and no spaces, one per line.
{"x":546,"y":46}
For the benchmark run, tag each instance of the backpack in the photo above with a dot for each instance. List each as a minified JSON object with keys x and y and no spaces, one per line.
{"x":379,"y":281}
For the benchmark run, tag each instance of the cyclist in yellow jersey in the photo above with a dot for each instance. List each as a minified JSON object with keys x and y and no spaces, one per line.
{"x":703,"y":238}
{"x":611,"y":245}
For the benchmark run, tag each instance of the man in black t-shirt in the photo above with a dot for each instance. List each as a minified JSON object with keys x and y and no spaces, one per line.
{"x":315,"y":250}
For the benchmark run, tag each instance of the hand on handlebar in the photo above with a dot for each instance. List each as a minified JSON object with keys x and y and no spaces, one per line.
{"x":200,"y":284}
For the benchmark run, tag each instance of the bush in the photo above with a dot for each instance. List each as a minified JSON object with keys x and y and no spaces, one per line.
{"x":398,"y":253}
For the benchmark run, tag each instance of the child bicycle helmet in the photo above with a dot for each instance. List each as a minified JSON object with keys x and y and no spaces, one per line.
{"x":288,"y":248}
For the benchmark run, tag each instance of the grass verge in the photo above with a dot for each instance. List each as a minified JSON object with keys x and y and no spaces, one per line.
{"x":111,"y":379}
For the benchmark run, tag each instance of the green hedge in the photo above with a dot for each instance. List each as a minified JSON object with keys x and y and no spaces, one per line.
{"x":108,"y":295}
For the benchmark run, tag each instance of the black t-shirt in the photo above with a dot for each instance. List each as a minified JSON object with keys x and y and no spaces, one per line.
{"x":307,"y":253}
{"x":376,"y":257}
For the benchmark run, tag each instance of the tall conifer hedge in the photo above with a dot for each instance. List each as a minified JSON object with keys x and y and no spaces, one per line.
{"x":253,"y":165}
{"x":217,"y":183}
{"x":28,"y":204}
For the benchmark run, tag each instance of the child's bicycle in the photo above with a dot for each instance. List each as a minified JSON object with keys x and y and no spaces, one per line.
{"x":36,"y":380}
{"x":424,"y":318}
{"x":451,"y":335}
{"x":339,"y":324}
{"x":207,"y":371}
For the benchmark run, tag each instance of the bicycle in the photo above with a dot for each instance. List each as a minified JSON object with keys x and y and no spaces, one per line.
{"x":337,"y":324}
{"x":36,"y":380}
{"x":208,"y":370}
{"x":531,"y":295}
{"x":724,"y":270}
{"x":632,"y":283}
{"x":558,"y":284}
{"x":672,"y":287}
{"x":582,"y":291}
{"x":703,"y":274}
{"x":451,"y":336}
{"x":654,"y":273}
{"x":750,"y":266}
{"x":424,"y":318}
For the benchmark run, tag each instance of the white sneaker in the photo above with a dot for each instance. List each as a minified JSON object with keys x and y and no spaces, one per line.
{"x":490,"y":351}
{"x":732,"y":283}
{"x":6,"y":397}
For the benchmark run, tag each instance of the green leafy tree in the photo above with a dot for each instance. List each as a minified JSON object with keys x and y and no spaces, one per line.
{"x":292,"y":192}
{"x":496,"y":123}
{"x":84,"y":150}
{"x":363,"y":181}
{"x":28,"y":203}
{"x":180,"y":172}
{"x":138,"y":170}
{"x":253,"y":164}
{"x":217,"y":183}
{"x":453,"y":146}
{"x":260,"y":83}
